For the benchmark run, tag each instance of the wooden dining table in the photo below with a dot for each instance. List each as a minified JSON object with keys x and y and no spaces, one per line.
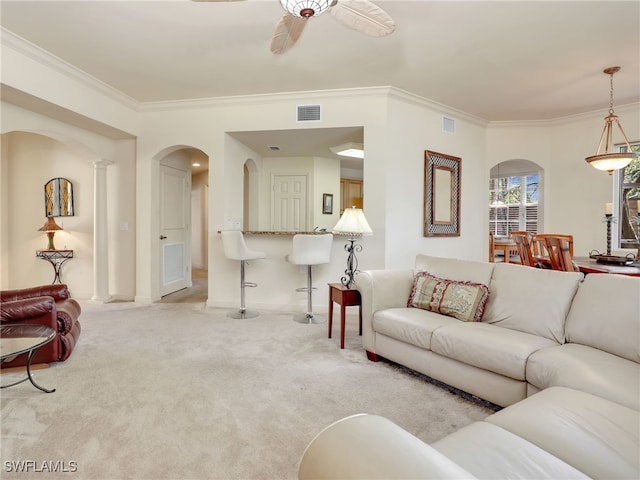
{"x":590,"y":265}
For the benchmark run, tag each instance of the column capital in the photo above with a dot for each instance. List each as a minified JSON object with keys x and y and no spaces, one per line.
{"x":101,"y":162}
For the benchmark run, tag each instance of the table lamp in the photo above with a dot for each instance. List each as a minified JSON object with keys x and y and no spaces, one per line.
{"x":50,"y":226}
{"x":354,"y":224}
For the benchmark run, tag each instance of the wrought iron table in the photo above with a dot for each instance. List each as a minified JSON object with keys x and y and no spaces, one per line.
{"x":56,"y":258}
{"x":17,"y":339}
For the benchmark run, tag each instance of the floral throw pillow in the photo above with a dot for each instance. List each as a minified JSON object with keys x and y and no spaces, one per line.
{"x":462,"y":300}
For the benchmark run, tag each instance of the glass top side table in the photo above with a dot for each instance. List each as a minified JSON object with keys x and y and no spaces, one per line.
{"x":16,"y":339}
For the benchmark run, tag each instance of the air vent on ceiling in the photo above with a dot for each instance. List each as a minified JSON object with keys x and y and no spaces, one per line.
{"x":274,"y":148}
{"x":448,"y":125}
{"x":308,"y":113}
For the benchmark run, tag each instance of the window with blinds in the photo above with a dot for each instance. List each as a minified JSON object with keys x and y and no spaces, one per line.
{"x":629,"y":202}
{"x":513,"y":204}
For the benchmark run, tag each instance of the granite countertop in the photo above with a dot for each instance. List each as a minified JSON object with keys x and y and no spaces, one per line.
{"x":272,"y":232}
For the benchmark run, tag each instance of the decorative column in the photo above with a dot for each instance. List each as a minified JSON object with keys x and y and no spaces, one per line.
{"x":100,"y":232}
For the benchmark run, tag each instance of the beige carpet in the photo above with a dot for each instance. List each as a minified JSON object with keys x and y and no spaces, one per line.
{"x":177,"y":391}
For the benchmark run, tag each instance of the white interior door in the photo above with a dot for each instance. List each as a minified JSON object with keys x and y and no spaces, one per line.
{"x":289,"y":203}
{"x":175,"y":200}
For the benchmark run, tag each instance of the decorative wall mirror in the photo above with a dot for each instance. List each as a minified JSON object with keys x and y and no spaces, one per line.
{"x":441,"y":195}
{"x":58,"y":198}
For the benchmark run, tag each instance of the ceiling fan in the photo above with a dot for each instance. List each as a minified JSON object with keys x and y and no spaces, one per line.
{"x":360,"y":15}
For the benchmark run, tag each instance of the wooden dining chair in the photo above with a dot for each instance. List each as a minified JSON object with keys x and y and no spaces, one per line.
{"x":539,"y":245}
{"x":492,"y":248}
{"x":524,"y":248}
{"x":560,"y":254}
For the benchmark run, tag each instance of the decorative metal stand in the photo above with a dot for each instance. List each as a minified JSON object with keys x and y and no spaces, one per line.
{"x":56,"y":258}
{"x":608,"y":258}
{"x":352,"y":262}
{"x":638,"y":237}
{"x":608,"y":218}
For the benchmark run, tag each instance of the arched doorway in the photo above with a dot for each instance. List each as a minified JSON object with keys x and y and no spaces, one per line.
{"x":183,"y":226}
{"x":515,"y":198}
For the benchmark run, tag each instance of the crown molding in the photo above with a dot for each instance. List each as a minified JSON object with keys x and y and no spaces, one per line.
{"x":412,"y":98}
{"x":265,"y":98}
{"x":630,"y":107}
{"x":8,"y":39}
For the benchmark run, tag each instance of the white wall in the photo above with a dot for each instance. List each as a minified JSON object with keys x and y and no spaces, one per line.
{"x":199,"y":213}
{"x":32,"y":161}
{"x":574,"y":191}
{"x":398,"y":127}
{"x":415,"y":126}
{"x":326,"y":179}
{"x":204,"y":126}
{"x":323,"y":176}
{"x":36,"y":146}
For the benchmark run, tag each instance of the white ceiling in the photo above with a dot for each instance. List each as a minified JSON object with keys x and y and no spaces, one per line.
{"x":498,"y":60}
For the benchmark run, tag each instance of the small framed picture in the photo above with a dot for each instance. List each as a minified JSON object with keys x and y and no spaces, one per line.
{"x":327,"y":203}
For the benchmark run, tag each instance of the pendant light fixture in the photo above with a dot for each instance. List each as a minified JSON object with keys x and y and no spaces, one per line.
{"x":306,"y":8}
{"x":609,"y":160}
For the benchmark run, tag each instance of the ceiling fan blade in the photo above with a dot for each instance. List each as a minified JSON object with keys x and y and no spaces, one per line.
{"x":287,"y":33}
{"x":363,"y":16}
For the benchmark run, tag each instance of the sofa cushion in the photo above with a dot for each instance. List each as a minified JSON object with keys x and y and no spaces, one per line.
{"x":605,"y":314}
{"x":462,"y":300}
{"x":598,"y":437}
{"x":586,"y":369}
{"x":531,"y":300}
{"x":489,"y":451}
{"x":410,"y":325}
{"x":455,"y":269}
{"x":499,"y":350}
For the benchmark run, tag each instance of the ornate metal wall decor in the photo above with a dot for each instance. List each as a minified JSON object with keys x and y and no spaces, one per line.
{"x":441,"y":195}
{"x":58,"y":198}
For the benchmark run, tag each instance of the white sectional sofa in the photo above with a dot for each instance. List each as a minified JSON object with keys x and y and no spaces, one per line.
{"x":560,"y":351}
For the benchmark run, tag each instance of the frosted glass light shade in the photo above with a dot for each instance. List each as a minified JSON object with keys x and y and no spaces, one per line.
{"x":306,"y":8}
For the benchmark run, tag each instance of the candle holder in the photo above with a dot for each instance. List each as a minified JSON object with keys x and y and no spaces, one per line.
{"x":637,"y":259}
{"x":609,"y":219}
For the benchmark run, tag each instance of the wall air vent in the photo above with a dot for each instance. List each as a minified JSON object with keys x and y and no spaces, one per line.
{"x":308,"y":113}
{"x":448,"y":125}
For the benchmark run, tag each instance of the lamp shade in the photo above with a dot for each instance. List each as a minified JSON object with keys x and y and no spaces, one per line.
{"x":353,"y":222}
{"x":50,"y":225}
{"x":306,"y":8}
{"x":605,"y":157}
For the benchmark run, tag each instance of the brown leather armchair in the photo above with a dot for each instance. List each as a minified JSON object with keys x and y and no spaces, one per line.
{"x":49,"y":305}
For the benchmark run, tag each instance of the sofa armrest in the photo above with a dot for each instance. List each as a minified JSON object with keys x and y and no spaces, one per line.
{"x":68,"y":312}
{"x":26,"y":308}
{"x":372,"y":447}
{"x":40,"y":310}
{"x":379,"y":290}
{"x":57,"y":291}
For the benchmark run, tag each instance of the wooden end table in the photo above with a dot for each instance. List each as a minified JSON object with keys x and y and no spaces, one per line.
{"x":345,"y":297}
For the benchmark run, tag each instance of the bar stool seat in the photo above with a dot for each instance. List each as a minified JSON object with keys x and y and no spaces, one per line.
{"x":310,"y":250}
{"x":235,"y":248}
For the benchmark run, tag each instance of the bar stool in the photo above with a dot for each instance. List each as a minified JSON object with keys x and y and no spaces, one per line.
{"x":235,"y":248}
{"x":310,"y":250}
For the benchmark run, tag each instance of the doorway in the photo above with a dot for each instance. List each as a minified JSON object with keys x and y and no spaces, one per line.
{"x":175,"y":212}
{"x":289,"y":205}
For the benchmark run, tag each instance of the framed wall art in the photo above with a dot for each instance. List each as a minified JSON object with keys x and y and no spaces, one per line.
{"x":441,"y":195}
{"x":58,"y":198}
{"x":327,"y":203}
